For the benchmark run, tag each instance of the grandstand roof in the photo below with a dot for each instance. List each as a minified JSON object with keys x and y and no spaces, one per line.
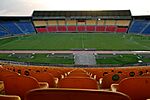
{"x":82,"y":13}
{"x":147,"y":17}
{"x":14,"y":18}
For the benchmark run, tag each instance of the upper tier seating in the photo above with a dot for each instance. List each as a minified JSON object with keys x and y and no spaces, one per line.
{"x":74,"y":94}
{"x":91,"y":22}
{"x":123,"y":22}
{"x":61,"y":22}
{"x":110,"y":22}
{"x":101,"y":22}
{"x":52,"y":23}
{"x":40,"y":23}
{"x":71,"y":22}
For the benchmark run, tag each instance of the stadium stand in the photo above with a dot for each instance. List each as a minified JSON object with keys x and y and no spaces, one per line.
{"x":26,"y":27}
{"x":101,"y":22}
{"x":40,"y":23}
{"x":12,"y":27}
{"x":137,"y":26}
{"x":84,"y":21}
{"x":123,"y":22}
{"x":70,"y":83}
{"x":15,"y":25}
{"x":140,"y":25}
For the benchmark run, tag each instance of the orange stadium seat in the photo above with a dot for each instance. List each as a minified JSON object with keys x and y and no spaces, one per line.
{"x":111,"y":78}
{"x":6,"y":73}
{"x":19,"y":85}
{"x":71,"y":22}
{"x":80,"y":83}
{"x":78,"y":75}
{"x":123,"y":22}
{"x":137,"y":87}
{"x":40,"y":23}
{"x":55,"y":73}
{"x":45,"y":77}
{"x":74,"y":94}
{"x":9,"y":97}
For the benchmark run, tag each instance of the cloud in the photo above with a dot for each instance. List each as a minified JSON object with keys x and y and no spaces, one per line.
{"x":26,"y":7}
{"x":3,"y":12}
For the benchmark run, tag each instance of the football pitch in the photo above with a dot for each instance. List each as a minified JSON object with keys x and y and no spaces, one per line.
{"x":76,"y":41}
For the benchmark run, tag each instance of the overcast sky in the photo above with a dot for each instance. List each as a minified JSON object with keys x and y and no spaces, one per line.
{"x":26,"y":7}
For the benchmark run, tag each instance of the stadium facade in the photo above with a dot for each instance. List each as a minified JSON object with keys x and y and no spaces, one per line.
{"x":115,"y":21}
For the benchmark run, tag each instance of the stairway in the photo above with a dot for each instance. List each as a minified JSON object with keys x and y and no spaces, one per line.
{"x":84,"y":59}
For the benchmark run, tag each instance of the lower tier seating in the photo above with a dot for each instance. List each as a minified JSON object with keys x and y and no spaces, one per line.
{"x":71,"y":28}
{"x":41,"y":30}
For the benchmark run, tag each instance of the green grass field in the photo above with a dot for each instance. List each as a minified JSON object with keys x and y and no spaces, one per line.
{"x":121,"y":59}
{"x":39,"y":58}
{"x":62,"y":41}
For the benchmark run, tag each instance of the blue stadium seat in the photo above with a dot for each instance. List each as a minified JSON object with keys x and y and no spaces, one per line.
{"x":137,"y":26}
{"x":147,"y":30}
{"x":2,"y":32}
{"x":26,"y":27}
{"x":18,"y":27}
{"x":12,"y":27}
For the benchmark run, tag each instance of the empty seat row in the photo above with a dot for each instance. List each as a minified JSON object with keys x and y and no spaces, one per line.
{"x":82,"y":29}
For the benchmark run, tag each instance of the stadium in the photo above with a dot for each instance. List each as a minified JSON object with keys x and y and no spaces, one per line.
{"x":75,"y":55}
